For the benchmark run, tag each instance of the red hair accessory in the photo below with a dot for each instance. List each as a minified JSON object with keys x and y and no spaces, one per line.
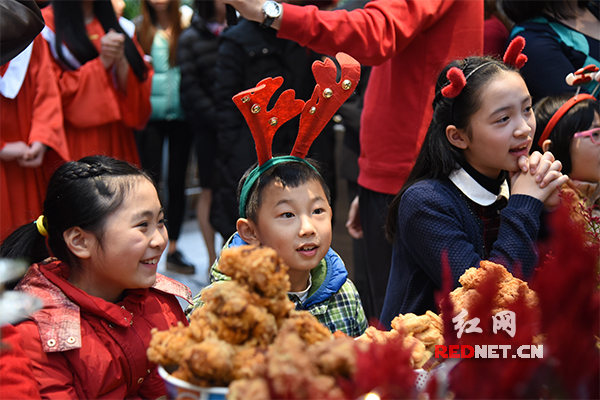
{"x":583,"y":75}
{"x":457,"y":83}
{"x":513,"y":55}
{"x":327,"y":97}
{"x":559,"y":114}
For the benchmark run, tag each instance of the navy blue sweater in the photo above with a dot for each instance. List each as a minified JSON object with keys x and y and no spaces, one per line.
{"x":433,"y":218}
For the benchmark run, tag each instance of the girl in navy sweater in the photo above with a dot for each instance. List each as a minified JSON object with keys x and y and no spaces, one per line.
{"x":457,"y":200}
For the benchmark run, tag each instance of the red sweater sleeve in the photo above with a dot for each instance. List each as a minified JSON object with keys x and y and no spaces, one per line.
{"x":371,"y":35}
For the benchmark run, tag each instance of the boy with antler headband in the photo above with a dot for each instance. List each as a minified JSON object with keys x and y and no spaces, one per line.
{"x":284,"y":201}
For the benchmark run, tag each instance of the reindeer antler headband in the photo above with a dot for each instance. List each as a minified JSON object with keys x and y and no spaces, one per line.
{"x":458,"y":81}
{"x":326,"y":98}
{"x":578,"y":78}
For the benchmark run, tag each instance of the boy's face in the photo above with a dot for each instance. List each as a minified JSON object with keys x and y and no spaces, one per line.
{"x":296,"y":222}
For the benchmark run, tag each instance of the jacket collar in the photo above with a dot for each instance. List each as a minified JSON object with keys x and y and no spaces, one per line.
{"x":59,"y":322}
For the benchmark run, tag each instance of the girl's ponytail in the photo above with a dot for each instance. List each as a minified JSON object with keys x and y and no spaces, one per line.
{"x":25,"y":243}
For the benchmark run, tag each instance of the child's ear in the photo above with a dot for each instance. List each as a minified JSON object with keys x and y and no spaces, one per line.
{"x":247,"y":231}
{"x":456,"y":137}
{"x":80,"y":242}
{"x":547,"y":145}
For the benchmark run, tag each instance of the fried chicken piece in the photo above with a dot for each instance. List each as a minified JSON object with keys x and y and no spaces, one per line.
{"x":336,"y":357}
{"x":166,"y":347}
{"x":410,"y":322}
{"x":436,"y":321}
{"x":211,"y":360}
{"x":260,"y":268}
{"x":419,"y":351}
{"x":249,"y":362}
{"x":200,"y":327}
{"x":509,"y":288}
{"x":430,"y":336}
{"x":231,"y":314}
{"x":473,"y":277}
{"x":307,"y":326}
{"x":291,"y":370}
{"x":374,"y":335}
{"x":255,"y":389}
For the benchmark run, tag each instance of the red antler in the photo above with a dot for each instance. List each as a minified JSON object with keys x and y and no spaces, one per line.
{"x":513,"y":55}
{"x":457,"y":83}
{"x":327,"y":97}
{"x":262,"y":123}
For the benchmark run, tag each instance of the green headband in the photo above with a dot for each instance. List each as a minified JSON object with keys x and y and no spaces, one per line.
{"x":258,"y":171}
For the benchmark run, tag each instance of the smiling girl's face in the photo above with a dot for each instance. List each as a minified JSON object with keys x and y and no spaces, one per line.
{"x":133,"y":240}
{"x":501,"y":130}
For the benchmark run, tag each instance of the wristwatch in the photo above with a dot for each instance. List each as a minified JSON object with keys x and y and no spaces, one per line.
{"x":271,"y":9}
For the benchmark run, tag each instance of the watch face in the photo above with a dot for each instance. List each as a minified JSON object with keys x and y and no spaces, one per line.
{"x":271,"y":9}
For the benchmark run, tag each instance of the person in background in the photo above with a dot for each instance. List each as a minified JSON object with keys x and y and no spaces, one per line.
{"x":103,"y":80}
{"x":197,"y":57}
{"x":456,"y":208}
{"x":562,"y":36}
{"x":119,"y":7}
{"x":33,"y":142}
{"x":496,"y":28}
{"x":159,"y":26}
{"x":574,"y":139}
{"x":407,"y":43}
{"x":104,"y":223}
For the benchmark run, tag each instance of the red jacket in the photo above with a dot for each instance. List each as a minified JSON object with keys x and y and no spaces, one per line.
{"x":408,"y":43}
{"x":83,"y":347}
{"x":16,"y":375}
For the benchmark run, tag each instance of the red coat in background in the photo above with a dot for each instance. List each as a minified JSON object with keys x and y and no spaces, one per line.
{"x":33,"y":114}
{"x":407,"y":42}
{"x":98,"y":117}
{"x":83,"y":347}
{"x":16,"y":375}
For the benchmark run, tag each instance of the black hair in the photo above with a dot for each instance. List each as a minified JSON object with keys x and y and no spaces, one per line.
{"x":70,"y":29}
{"x":522,"y":10}
{"x":80,"y":193}
{"x":438,"y":157}
{"x":579,"y":118}
{"x":289,"y":173}
{"x":206,"y":9}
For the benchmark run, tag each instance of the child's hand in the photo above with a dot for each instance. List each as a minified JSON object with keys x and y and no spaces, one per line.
{"x":112,"y":48}
{"x":13,"y":151}
{"x":34,"y":156}
{"x":539,"y":177}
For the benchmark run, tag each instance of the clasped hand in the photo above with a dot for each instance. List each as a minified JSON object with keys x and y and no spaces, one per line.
{"x":539,"y":177}
{"x":25,"y":155}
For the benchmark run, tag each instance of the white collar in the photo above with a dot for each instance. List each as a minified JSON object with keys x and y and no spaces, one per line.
{"x":474,"y":191}
{"x":303,"y":295}
{"x":11,"y":82}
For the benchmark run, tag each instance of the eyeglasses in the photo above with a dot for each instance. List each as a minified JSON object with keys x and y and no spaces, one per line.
{"x":594,"y":135}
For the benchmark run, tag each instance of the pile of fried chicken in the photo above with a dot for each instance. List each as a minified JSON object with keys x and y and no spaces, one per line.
{"x":248,"y":332}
